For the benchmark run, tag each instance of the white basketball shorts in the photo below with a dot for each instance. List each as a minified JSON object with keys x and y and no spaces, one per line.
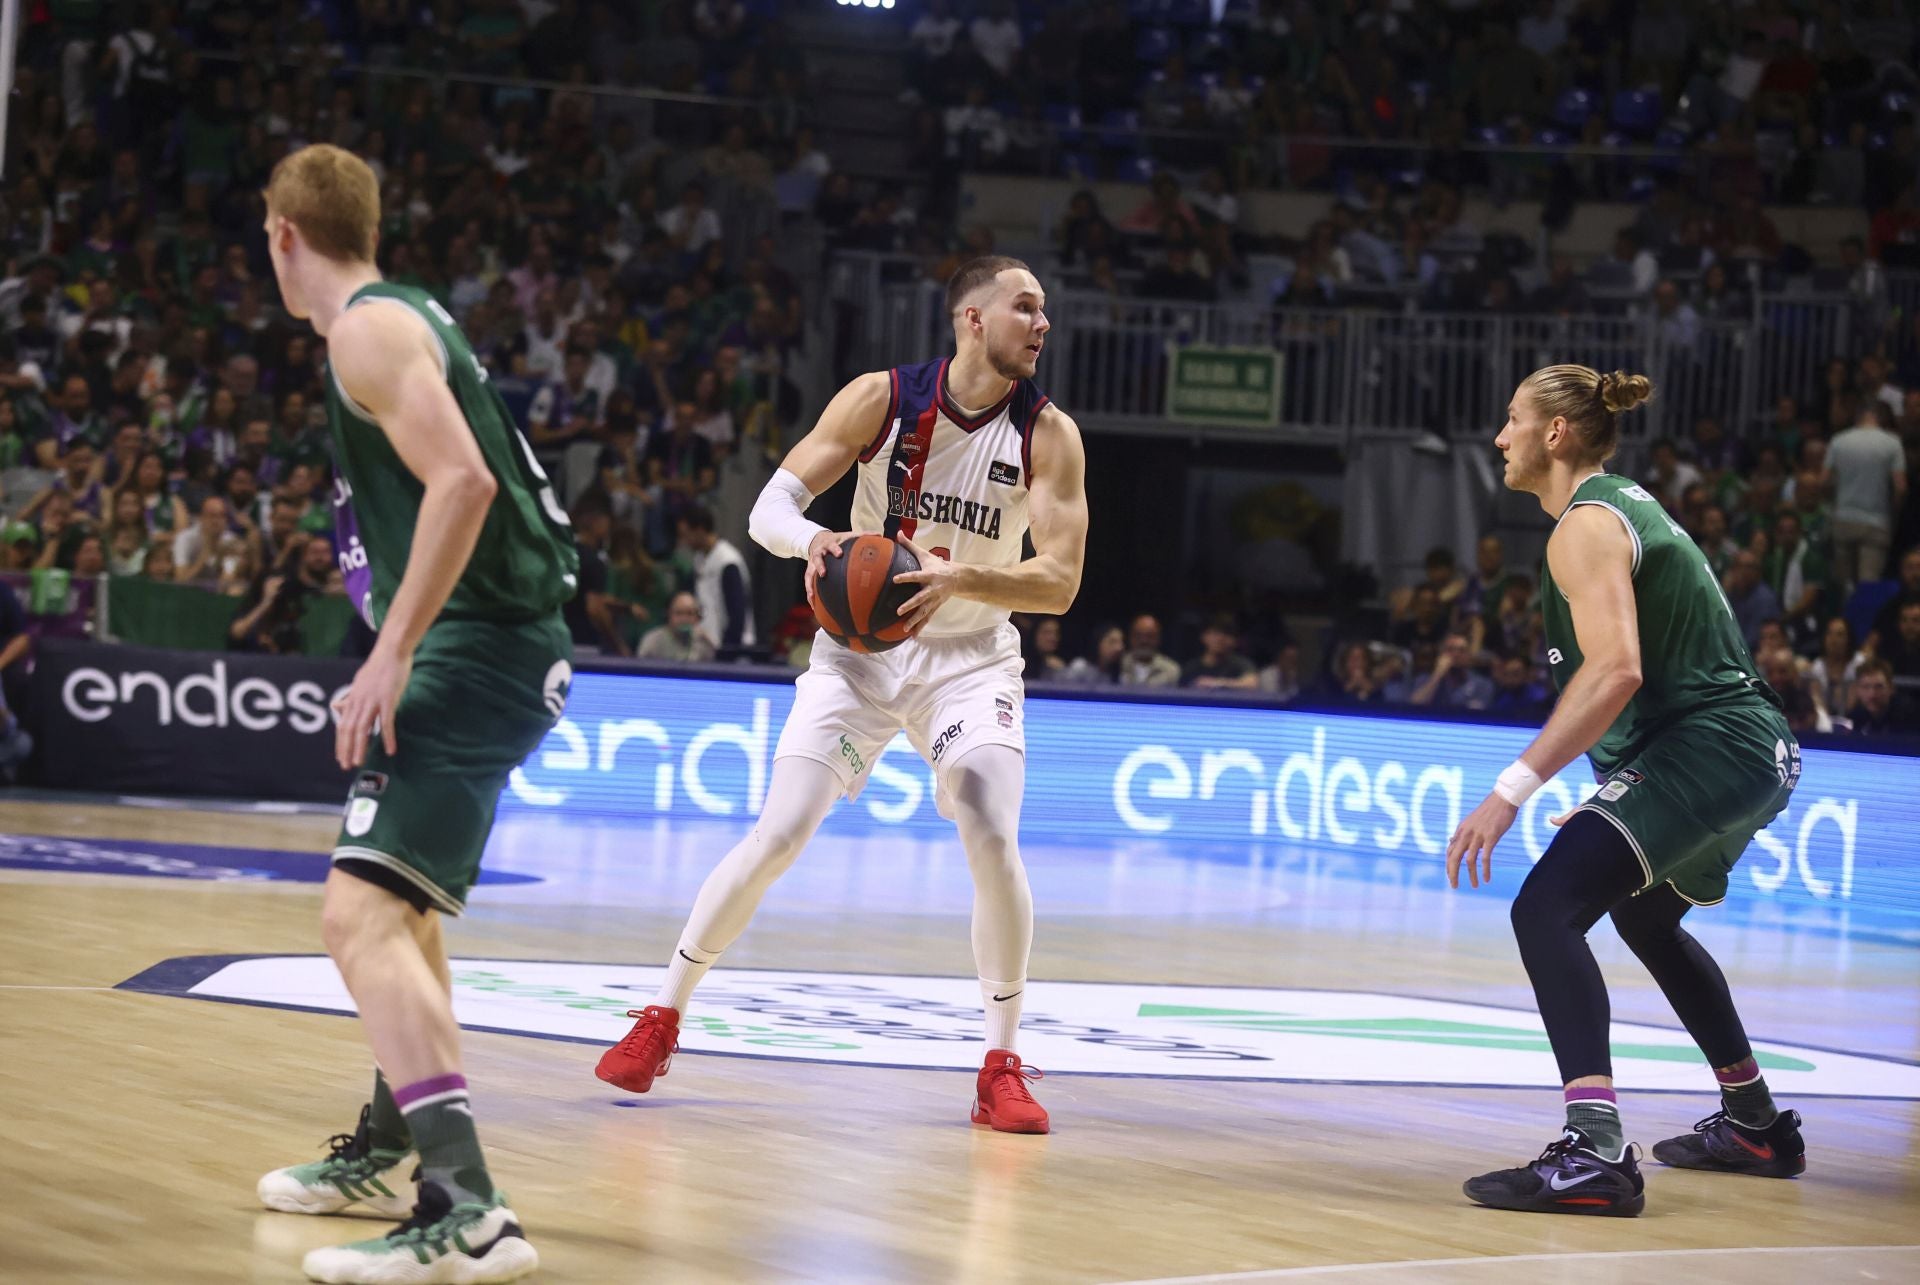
{"x":949,"y":694}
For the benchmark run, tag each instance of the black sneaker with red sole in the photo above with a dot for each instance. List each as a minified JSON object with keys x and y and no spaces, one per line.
{"x":1721,"y":1144}
{"x":1570,"y":1177}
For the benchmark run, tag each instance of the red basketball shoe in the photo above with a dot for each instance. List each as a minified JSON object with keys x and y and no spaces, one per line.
{"x":1001,"y":1099}
{"x":644,"y":1053}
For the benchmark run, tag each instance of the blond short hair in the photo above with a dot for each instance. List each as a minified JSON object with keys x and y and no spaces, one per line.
{"x":332,"y":196}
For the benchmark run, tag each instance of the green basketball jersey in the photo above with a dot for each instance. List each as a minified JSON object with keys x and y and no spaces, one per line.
{"x":1692,"y":656}
{"x":524,"y":565}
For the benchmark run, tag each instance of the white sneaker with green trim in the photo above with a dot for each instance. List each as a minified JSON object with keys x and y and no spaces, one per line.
{"x":357,"y":1175}
{"x":442,"y":1244}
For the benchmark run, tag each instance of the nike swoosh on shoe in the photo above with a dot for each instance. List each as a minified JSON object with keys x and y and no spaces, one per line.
{"x":1553,"y":1180}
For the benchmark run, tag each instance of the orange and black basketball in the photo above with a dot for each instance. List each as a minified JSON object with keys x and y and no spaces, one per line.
{"x":858,"y":601}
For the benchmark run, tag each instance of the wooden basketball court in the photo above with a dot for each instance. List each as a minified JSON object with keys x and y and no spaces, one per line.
{"x":137,"y":1120}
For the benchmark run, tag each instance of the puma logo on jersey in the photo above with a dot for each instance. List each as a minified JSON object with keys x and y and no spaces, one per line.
{"x":970,"y":516}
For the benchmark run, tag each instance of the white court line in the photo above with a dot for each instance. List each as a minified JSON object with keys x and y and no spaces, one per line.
{"x":1339,"y":1269}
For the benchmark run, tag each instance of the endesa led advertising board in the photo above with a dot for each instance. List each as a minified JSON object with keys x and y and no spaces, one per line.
{"x":645,"y":747}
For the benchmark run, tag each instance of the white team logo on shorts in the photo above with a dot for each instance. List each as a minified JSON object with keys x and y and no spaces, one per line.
{"x":360,"y":815}
{"x":554,"y":690}
{"x":1786,"y":761}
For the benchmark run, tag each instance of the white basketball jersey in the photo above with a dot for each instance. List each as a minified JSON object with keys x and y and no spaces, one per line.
{"x":953,"y":483}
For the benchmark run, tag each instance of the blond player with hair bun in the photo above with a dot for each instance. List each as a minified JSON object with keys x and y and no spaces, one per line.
{"x":1693,"y":756}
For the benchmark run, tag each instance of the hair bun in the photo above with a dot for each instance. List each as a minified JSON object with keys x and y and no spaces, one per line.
{"x":1621,"y":391}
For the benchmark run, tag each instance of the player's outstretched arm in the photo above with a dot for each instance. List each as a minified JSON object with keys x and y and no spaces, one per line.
{"x":778,"y":522}
{"x":1047,"y":582}
{"x":1591,"y":557}
{"x":386,"y":360}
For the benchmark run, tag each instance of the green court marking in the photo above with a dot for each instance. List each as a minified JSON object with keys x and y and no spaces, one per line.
{"x":1424,"y":1030}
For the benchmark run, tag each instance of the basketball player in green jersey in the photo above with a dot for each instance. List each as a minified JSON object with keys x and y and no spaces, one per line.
{"x":455,"y":549}
{"x":1658,"y":689}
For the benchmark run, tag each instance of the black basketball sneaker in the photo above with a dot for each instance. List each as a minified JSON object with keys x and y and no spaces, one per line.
{"x":1570,"y":1177}
{"x":1723,"y":1145}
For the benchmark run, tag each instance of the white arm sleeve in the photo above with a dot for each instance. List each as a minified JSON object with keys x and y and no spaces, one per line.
{"x":778,"y":522}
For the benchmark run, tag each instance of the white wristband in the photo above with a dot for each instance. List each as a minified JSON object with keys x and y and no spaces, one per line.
{"x":778,"y":522}
{"x":1517,"y":782}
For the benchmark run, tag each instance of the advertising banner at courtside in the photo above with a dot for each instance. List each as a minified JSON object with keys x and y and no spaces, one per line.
{"x":150,"y":721}
{"x":643,"y":747}
{"x":647,"y":747}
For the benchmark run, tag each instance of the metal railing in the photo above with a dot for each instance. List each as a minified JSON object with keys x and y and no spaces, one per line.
{"x":1366,"y":369}
{"x":1317,"y":162}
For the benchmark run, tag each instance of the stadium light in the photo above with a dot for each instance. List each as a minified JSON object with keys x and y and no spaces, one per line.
{"x":865,"y":4}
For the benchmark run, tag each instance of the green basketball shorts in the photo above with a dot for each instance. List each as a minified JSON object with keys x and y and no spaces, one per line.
{"x":1693,"y":799}
{"x":481,"y":698}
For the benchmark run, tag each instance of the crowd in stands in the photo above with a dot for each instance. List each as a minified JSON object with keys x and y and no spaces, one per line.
{"x":1814,"y":538}
{"x":620,"y":266}
{"x":1396,"y":108}
{"x":1682,"y":262}
{"x":1796,"y":102}
{"x":614,"y":262}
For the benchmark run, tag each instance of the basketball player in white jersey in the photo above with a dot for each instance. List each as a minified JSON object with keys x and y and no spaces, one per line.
{"x":959,"y":459}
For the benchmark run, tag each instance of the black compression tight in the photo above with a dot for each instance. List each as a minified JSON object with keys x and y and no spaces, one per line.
{"x":1688,"y":977}
{"x":1589,"y":870}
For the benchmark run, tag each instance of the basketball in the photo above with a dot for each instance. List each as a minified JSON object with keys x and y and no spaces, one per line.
{"x":858,"y":601}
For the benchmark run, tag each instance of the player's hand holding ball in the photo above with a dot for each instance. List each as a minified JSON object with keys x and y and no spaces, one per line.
{"x":941,"y":580}
{"x":825,"y":545}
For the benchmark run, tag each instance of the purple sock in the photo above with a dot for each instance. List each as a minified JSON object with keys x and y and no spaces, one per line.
{"x":440,"y":1117}
{"x":409,"y":1096}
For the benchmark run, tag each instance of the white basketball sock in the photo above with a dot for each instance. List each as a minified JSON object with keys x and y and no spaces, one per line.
{"x":1003,"y":1001}
{"x":688,"y":966}
{"x":986,"y":785}
{"x":799,"y":797}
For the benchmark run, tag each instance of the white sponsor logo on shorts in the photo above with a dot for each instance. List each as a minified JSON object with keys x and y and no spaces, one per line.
{"x":554,"y":690}
{"x":360,"y":815}
{"x":946,"y":739}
